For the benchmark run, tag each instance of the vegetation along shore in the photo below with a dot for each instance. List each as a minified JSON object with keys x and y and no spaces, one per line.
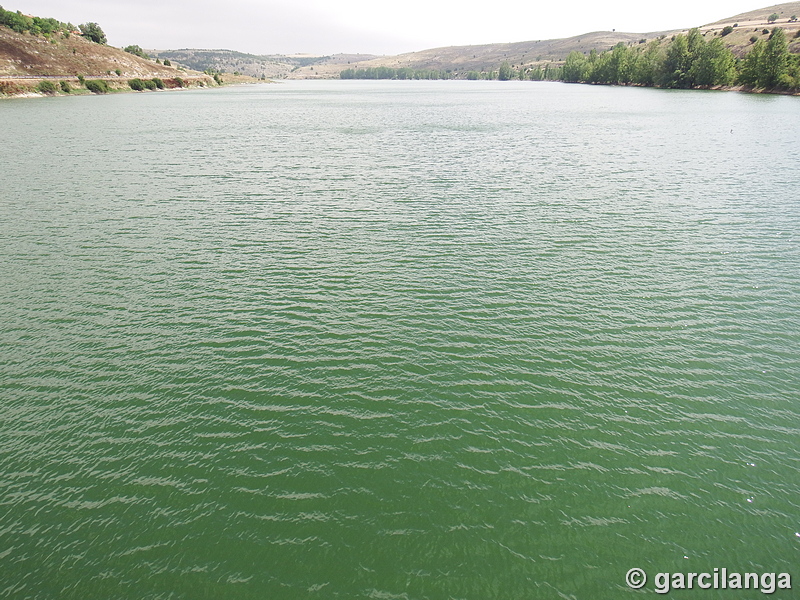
{"x":755,"y":51}
{"x":685,"y":61}
{"x":43,"y":56}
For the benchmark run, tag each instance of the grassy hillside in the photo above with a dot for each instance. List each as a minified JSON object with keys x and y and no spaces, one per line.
{"x":784,"y":11}
{"x":749,"y":27}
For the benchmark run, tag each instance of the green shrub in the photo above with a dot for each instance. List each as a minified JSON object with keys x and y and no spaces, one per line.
{"x":753,"y":39}
{"x":159,"y":83}
{"x":97,"y":86}
{"x":82,"y":79}
{"x":179,"y":82}
{"x":148,"y":83}
{"x":137,"y":85}
{"x":118,"y":72}
{"x":66,"y":87}
{"x":167,"y":63}
{"x":46,"y":87}
{"x":765,"y":31}
{"x":727,"y":30}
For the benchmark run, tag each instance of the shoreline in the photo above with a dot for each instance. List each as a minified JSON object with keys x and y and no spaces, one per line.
{"x":716,"y":88}
{"x":202,"y":82}
{"x":12,"y":87}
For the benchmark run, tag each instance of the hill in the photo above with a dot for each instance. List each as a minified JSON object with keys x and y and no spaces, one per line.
{"x":55,"y":50}
{"x":23,"y":55}
{"x":33,"y":50}
{"x":752,"y":24}
{"x":276,"y":66}
{"x":784,"y":11}
{"x":461,"y":59}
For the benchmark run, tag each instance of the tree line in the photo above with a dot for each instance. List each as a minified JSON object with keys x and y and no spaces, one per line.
{"x":689,"y":61}
{"x":685,"y":61}
{"x":33,"y":25}
{"x":390,"y":73}
{"x":504,"y":73}
{"x":48,"y":26}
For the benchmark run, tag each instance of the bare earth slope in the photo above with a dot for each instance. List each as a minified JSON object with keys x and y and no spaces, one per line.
{"x":25,"y":56}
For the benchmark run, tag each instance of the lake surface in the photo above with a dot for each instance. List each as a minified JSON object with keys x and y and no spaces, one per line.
{"x":397,"y":340}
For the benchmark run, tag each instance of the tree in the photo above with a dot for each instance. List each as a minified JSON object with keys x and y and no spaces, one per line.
{"x":751,"y":67}
{"x":648,"y":65}
{"x":715,"y":65}
{"x":505,"y":72}
{"x":93,"y":32}
{"x":775,"y":60}
{"x":773,"y":17}
{"x":677,"y":64}
{"x":619,"y":68}
{"x":574,"y":67}
{"x":136,"y":51}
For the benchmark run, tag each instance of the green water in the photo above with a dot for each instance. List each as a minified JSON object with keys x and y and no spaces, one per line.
{"x":397,"y":340}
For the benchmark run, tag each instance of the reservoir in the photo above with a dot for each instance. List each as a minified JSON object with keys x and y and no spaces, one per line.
{"x":399,"y":340}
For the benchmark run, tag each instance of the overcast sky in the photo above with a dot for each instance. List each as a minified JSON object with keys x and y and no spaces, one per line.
{"x":367,"y":26}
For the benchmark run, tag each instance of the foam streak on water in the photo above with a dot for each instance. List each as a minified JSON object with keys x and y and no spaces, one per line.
{"x":418,"y":340}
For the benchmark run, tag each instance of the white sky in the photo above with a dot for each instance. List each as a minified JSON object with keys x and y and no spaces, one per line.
{"x":367,"y":26}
